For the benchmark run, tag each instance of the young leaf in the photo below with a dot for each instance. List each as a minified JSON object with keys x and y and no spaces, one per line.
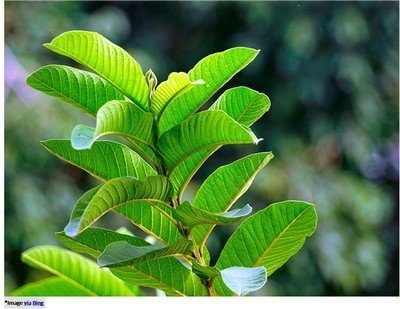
{"x":215,"y":70}
{"x":152,"y":81}
{"x":242,"y":280}
{"x":77,"y":270}
{"x":116,"y":117}
{"x":176,"y":85}
{"x":230,"y":187}
{"x":52,"y":286}
{"x":190,"y":216}
{"x":117,"y":192}
{"x":166,"y":274}
{"x":106,"y":59}
{"x":121,"y":253}
{"x":83,"y":90}
{"x":242,"y":104}
{"x":201,"y":131}
{"x":94,"y":240}
{"x":268,"y":238}
{"x":103,"y":160}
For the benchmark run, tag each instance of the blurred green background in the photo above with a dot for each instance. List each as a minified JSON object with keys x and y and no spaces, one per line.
{"x":331,"y":70}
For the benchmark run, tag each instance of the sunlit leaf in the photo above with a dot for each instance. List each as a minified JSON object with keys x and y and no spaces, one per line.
{"x":106,"y":59}
{"x":77,"y":270}
{"x":242,"y":104}
{"x":176,"y":85}
{"x":203,"y":130}
{"x":215,"y":70}
{"x":80,"y":89}
{"x":105,"y":160}
{"x":116,"y":117}
{"x":52,"y":286}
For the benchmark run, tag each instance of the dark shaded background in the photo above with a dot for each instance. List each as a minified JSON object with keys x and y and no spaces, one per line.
{"x":331,"y":70}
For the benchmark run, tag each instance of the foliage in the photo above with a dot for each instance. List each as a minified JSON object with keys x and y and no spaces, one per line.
{"x":168,"y":142}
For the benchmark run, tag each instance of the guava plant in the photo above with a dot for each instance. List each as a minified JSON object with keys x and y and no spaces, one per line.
{"x":143,"y":178}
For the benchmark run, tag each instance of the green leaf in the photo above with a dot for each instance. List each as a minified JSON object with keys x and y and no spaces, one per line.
{"x":201,"y":131}
{"x":106,"y":59}
{"x":94,"y":240}
{"x":232,"y":181}
{"x":242,"y":280}
{"x":176,"y":85}
{"x":83,"y":90}
{"x":215,"y":70}
{"x":52,"y":286}
{"x":268,"y":238}
{"x":77,"y":270}
{"x":121,"y":253}
{"x":167,"y":274}
{"x":117,"y":192}
{"x":205,"y":272}
{"x":242,"y":104}
{"x":153,"y":218}
{"x":105,"y":160}
{"x":79,"y":209}
{"x":190,"y":216}
{"x":116,"y":117}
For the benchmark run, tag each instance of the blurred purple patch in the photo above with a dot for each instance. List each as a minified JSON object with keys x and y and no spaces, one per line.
{"x":15,"y":77}
{"x":383,"y":164}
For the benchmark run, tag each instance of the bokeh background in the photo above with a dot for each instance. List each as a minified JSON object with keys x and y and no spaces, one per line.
{"x":331,"y":70}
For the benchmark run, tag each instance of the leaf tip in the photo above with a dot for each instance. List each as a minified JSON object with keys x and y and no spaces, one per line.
{"x":82,"y":137}
{"x":257,"y":140}
{"x":47,"y":45}
{"x":100,"y":262}
{"x":72,"y":228}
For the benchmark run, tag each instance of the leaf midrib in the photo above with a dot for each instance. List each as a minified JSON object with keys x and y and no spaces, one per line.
{"x":270,"y":247}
